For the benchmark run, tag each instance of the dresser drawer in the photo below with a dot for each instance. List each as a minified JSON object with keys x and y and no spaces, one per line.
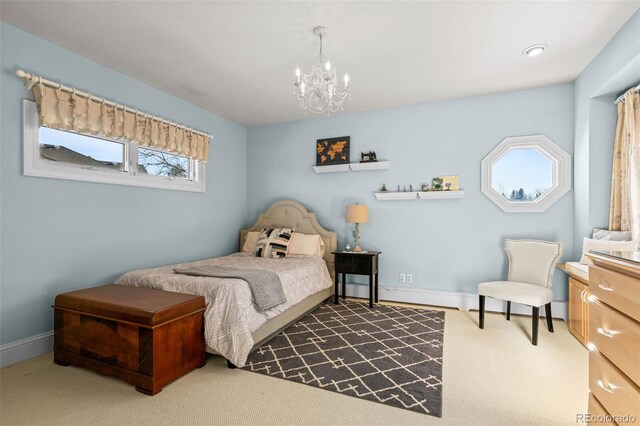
{"x":618,"y":395}
{"x":617,"y":337}
{"x":598,"y":415}
{"x":353,"y":264}
{"x":617,"y":290}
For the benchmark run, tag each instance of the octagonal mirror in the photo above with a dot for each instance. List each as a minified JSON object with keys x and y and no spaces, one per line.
{"x":526,"y":174}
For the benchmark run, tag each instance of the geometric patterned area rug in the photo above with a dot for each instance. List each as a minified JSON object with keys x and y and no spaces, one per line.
{"x":388,"y":354}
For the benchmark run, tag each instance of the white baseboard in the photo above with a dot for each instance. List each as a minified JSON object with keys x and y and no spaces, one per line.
{"x":30,"y":347}
{"x":461,"y":300}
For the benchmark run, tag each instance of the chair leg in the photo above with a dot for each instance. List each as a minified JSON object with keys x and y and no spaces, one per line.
{"x":481,"y":311}
{"x":508,"y":310}
{"x":534,"y":324}
{"x":547,"y":311}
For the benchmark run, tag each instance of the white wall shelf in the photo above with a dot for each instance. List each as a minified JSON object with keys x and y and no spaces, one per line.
{"x":372,"y":165}
{"x":433,"y":195}
{"x":354,"y":167}
{"x":396,"y":195}
{"x":333,"y":168}
{"x":430,"y":195}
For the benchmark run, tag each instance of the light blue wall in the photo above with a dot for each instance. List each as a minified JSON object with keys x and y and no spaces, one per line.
{"x":60,"y":235}
{"x":614,"y":69}
{"x":446,"y":244}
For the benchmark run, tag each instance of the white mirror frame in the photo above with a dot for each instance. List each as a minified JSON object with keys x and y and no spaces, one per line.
{"x":560,"y":166}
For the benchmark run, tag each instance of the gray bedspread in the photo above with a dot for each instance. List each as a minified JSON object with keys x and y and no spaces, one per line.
{"x":231,"y":315}
{"x":265,"y":286}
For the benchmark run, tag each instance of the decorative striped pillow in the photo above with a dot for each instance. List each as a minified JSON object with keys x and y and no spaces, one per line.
{"x":274,"y":242}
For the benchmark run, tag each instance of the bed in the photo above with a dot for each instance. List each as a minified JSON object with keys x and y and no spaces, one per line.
{"x":233,"y":325}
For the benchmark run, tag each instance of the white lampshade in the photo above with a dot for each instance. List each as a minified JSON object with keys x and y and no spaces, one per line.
{"x":356,"y":213}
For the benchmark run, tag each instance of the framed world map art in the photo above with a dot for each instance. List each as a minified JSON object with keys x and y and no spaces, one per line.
{"x":332,"y":151}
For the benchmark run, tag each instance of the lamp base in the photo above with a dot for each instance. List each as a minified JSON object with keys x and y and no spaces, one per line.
{"x":357,"y":249}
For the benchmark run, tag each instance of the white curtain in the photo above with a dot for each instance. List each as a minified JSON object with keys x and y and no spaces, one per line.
{"x":624,"y":214}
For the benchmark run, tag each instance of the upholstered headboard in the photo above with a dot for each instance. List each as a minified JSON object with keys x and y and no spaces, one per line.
{"x":292,"y":214}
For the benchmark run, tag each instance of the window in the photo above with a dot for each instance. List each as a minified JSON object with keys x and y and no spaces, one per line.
{"x":158,"y":163}
{"x":526,"y":174}
{"x":56,"y":146}
{"x":66,"y":155}
{"x":522,"y":175}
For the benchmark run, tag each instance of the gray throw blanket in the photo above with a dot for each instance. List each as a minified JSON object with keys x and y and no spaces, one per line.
{"x":265,"y":286}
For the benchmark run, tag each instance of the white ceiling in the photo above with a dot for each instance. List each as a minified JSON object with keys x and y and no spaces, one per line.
{"x":237,"y":59}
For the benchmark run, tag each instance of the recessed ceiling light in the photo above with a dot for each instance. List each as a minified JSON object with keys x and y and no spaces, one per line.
{"x":534,"y":50}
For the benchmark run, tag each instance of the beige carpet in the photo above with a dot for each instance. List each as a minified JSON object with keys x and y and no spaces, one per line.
{"x":491,"y":377}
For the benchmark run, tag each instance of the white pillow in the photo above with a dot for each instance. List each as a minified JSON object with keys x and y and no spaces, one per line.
{"x":250,"y":241}
{"x":605,"y":234}
{"x":306,"y":244}
{"x":606,"y":245}
{"x":302,"y":244}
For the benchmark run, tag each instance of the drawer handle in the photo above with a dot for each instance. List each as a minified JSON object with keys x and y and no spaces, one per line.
{"x":605,"y":288}
{"x":607,"y":387}
{"x":583,"y":296}
{"x":607,"y":333}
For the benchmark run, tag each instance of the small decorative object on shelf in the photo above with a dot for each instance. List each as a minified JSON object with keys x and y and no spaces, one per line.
{"x":347,"y":248}
{"x":410,"y":188}
{"x":368,"y":157}
{"x":425,"y":187}
{"x":451,"y":183}
{"x":384,"y":188}
{"x":437,"y":184}
{"x":332,"y":151}
{"x":398,"y":188}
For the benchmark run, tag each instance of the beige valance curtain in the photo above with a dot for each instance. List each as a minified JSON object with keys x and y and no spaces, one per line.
{"x":624,"y":213}
{"x":66,"y":108}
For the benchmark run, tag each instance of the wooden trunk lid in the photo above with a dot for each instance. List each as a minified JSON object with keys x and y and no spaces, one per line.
{"x":144,"y":306}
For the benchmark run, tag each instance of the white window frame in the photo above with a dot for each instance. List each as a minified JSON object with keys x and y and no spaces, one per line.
{"x":560,"y":167}
{"x":34,"y":165}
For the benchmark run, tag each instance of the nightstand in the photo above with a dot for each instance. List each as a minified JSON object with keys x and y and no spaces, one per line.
{"x":357,"y":264}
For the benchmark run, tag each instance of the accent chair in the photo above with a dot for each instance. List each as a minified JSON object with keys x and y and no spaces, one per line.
{"x":530,"y":280}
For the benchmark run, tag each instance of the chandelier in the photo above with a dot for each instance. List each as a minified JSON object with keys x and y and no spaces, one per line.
{"x":318,"y":91}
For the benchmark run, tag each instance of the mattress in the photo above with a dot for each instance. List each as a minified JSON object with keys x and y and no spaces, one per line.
{"x":231,"y":316}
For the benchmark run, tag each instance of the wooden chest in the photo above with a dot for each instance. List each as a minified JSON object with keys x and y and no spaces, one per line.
{"x":146,"y":337}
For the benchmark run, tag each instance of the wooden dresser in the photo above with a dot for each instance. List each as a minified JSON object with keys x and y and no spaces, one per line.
{"x":614,"y":336}
{"x":578,"y":305}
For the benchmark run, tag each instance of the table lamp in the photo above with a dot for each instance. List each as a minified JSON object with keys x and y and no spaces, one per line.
{"x":357,"y":213}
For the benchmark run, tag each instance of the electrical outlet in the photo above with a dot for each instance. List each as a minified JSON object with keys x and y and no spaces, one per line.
{"x":409,"y":278}
{"x":403,"y":278}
